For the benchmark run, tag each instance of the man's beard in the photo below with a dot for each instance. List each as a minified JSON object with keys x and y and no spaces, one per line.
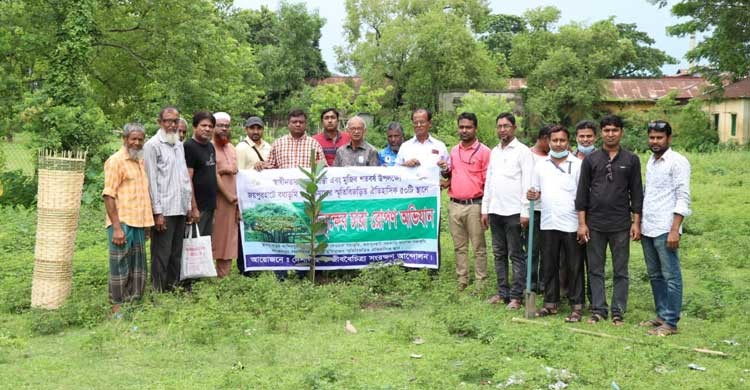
{"x":135,"y":154}
{"x":171,"y":138}
{"x":221,"y":140}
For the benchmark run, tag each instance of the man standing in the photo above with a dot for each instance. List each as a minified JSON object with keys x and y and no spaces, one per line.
{"x":422,"y":149}
{"x":608,"y":190}
{"x":555,"y":181}
{"x":200,"y":156}
{"x":357,"y":152}
{"x":253,"y":149}
{"x":468,"y":171}
{"x":666,"y":202}
{"x":293,"y":149}
{"x":395,"y":134}
{"x":331,"y":138}
{"x":539,"y":151}
{"x":506,"y":210}
{"x":182,"y":129}
{"x":585,"y":138}
{"x":170,"y":193}
{"x":126,"y":200}
{"x":226,"y":217}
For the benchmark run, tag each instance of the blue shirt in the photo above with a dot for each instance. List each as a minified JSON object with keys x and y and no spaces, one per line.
{"x":387,"y":157}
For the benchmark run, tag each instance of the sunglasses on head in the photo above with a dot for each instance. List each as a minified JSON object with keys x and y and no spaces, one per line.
{"x":657,"y":125}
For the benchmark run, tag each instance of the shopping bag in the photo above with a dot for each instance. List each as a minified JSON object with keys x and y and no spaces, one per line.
{"x":197,"y":258}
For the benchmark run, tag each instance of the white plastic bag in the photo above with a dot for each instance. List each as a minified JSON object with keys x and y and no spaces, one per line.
{"x":197,"y":258}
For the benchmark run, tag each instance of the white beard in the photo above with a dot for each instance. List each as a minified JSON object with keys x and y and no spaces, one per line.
{"x":170,"y":138}
{"x":135,"y":154}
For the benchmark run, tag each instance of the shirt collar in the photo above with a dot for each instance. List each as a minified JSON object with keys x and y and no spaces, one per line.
{"x":428,"y":140}
{"x":338,"y":136}
{"x":473,"y":146}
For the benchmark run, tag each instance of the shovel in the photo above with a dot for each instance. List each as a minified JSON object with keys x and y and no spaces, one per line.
{"x":530,"y":296}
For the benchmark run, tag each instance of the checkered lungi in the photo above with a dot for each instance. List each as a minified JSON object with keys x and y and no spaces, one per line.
{"x":127,"y":265}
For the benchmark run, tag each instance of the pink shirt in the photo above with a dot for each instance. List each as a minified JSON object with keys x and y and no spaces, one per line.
{"x":468,"y":171}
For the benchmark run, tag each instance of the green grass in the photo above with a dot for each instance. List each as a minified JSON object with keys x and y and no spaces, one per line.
{"x":18,"y":156}
{"x":258,"y":333}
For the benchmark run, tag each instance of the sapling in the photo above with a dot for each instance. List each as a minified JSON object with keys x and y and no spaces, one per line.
{"x":314,"y":242}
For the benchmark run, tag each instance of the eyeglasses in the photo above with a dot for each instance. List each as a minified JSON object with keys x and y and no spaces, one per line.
{"x":420,"y":123}
{"x":657,"y":125}
{"x":610,"y":177}
{"x":505,"y":126}
{"x":223,"y":126}
{"x":169,"y":120}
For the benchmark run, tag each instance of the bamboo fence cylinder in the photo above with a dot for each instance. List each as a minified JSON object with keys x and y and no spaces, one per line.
{"x":59,"y":193}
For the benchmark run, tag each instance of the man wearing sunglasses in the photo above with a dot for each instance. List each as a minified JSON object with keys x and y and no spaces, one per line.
{"x":666,"y":202}
{"x":609,"y":202}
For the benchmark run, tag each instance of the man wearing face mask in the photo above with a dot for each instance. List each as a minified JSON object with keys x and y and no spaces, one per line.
{"x":555,"y":181}
{"x":585,"y":138}
{"x":170,"y":192}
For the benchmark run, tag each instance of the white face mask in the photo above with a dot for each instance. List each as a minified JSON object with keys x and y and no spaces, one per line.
{"x":170,"y":138}
{"x":586,"y":150}
{"x":561,"y":154}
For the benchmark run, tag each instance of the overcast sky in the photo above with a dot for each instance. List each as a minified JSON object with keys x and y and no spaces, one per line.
{"x":648,"y":17}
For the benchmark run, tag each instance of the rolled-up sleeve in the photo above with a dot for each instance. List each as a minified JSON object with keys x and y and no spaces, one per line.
{"x":681,"y":175}
{"x":112,"y":178}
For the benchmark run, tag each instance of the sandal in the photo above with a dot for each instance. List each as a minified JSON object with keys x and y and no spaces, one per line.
{"x":653,"y":323}
{"x":617,"y":320}
{"x":663,"y":330}
{"x":546,"y":311}
{"x":514,"y":304}
{"x":575,"y":316}
{"x":595,"y":318}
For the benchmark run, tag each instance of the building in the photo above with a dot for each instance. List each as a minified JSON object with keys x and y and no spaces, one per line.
{"x":730,"y":112}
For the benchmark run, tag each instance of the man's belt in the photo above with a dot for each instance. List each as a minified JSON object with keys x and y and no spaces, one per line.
{"x":467,"y":201}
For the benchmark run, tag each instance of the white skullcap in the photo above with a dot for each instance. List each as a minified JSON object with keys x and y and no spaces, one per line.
{"x":222,"y":115}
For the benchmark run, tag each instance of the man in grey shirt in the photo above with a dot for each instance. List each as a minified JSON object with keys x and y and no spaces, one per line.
{"x":357,"y":152}
{"x":170,"y":191}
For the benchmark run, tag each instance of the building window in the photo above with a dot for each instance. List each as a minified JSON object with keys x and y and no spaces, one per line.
{"x":716,"y":121}
{"x":734,"y":125}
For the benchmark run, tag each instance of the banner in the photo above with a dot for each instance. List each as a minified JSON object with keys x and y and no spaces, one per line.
{"x":374,"y":214}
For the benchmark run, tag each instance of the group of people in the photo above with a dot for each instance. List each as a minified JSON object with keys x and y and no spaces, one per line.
{"x":585,"y":200}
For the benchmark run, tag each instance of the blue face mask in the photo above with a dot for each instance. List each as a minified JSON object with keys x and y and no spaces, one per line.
{"x":561,"y":154}
{"x":586,"y":150}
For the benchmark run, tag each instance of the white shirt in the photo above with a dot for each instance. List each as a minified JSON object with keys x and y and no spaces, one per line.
{"x":558,"y":184}
{"x":428,"y":152}
{"x":667,"y":193}
{"x":246,"y":156}
{"x":168,"y":179}
{"x":508,"y":179}
{"x":537,"y":158}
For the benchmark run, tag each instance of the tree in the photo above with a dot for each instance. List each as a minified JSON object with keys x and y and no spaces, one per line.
{"x":287,"y":47}
{"x":498,"y":33}
{"x":486,"y":108}
{"x":419,"y":48}
{"x":648,"y":60}
{"x":727,"y":48}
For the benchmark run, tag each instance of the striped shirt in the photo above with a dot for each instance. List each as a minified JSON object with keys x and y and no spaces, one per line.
{"x":288,"y":152}
{"x":330,"y":145}
{"x":168,"y":179}
{"x":125,"y":181}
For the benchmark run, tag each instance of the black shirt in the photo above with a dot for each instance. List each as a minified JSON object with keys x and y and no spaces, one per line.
{"x":608,"y":199}
{"x":202,"y":159}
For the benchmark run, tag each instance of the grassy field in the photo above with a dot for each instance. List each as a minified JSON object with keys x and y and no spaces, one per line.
{"x":259,"y":333}
{"x":17,"y":154}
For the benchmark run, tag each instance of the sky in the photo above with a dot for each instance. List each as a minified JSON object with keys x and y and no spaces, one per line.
{"x":649,"y":18}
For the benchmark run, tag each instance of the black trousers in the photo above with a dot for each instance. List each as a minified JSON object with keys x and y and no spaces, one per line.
{"x":506,"y":242}
{"x":559,"y":246}
{"x":596,"y":250}
{"x":166,"y":253}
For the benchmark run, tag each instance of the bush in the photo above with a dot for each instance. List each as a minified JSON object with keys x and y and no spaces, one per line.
{"x":487,"y":109}
{"x":18,"y":189}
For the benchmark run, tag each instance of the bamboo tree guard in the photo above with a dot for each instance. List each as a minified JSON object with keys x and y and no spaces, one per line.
{"x":58,"y":204}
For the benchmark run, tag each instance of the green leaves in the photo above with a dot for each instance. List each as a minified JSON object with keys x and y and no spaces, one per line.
{"x":314,"y":241}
